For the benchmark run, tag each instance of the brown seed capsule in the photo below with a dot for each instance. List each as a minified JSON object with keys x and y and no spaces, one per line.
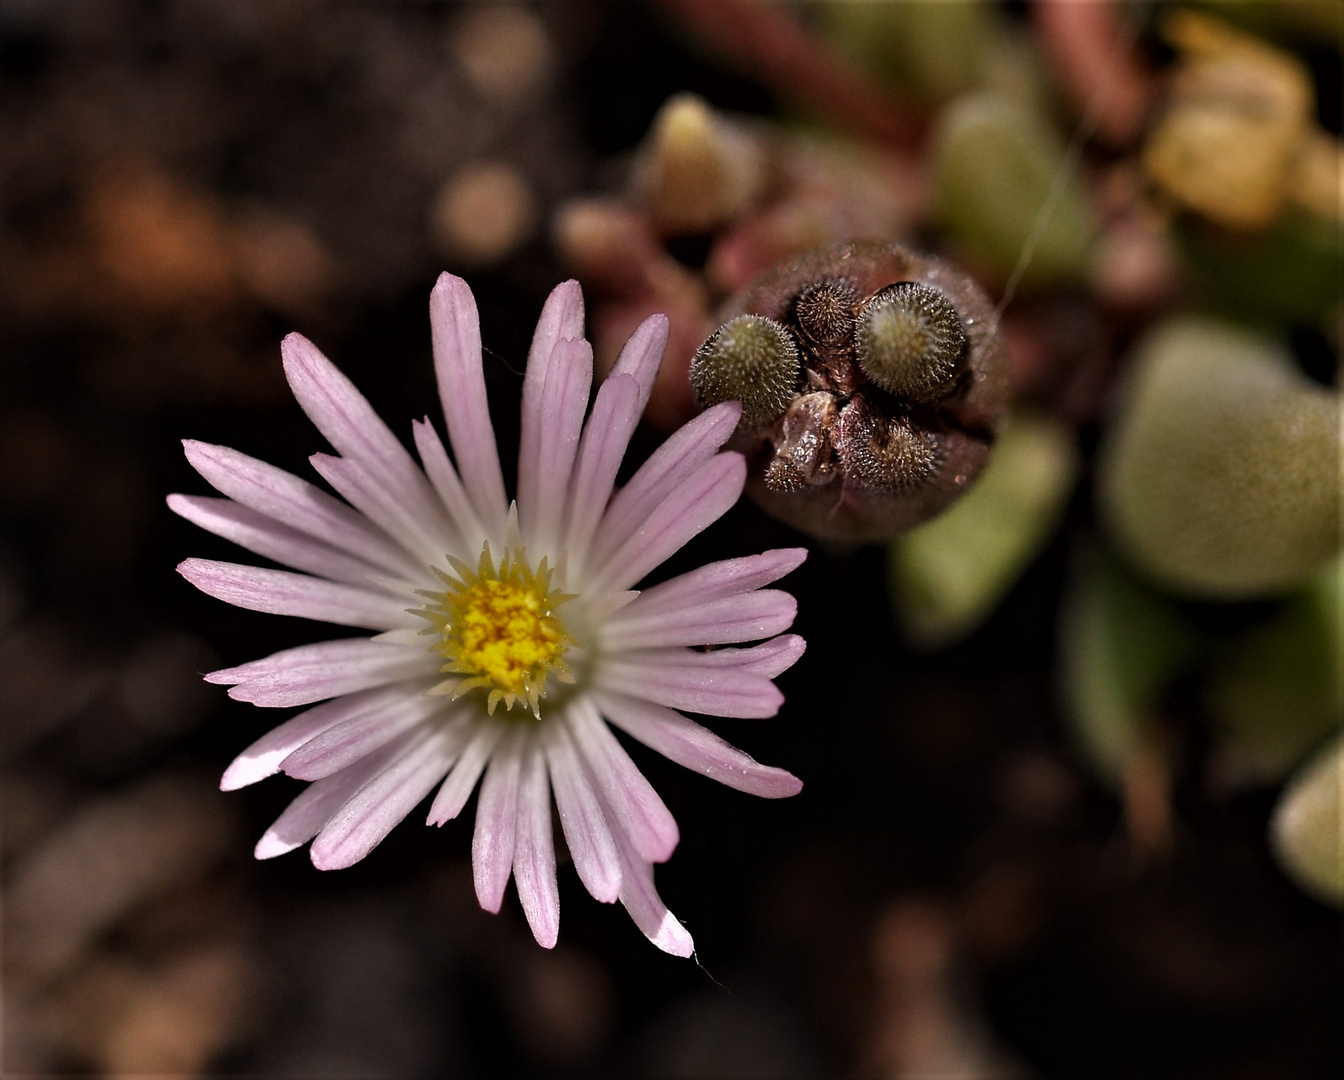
{"x":900,"y":388}
{"x":750,"y":359}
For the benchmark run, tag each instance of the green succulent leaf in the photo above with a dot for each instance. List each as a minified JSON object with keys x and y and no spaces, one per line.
{"x":997,"y":164}
{"x":1221,"y":476}
{"x":1277,"y":690}
{"x":1121,"y":645}
{"x":1307,"y":829}
{"x":949,"y":574}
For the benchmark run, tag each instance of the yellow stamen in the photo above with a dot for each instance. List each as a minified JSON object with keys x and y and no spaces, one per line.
{"x":497,"y":629}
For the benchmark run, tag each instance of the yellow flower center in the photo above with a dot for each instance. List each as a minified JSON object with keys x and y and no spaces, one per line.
{"x":497,"y":630}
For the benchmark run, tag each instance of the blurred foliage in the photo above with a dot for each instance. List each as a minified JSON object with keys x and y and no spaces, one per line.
{"x":1277,"y":689}
{"x":1120,"y":646}
{"x":931,"y":50}
{"x":1221,"y":473}
{"x":948,"y":575}
{"x":1292,"y":273}
{"x":1308,"y":825}
{"x":996,"y":164}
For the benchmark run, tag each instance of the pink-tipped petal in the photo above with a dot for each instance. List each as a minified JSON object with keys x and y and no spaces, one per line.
{"x":341,"y":745}
{"x":280,"y":592}
{"x":557,"y":414}
{"x":263,"y":757}
{"x":326,"y":669}
{"x":561,"y":317}
{"x":689,"y":447}
{"x":266,"y":537}
{"x":646,"y":907}
{"x":586,"y":829}
{"x":651,"y":915}
{"x":351,"y":425}
{"x":698,"y":749}
{"x":727,"y":691}
{"x":605,"y":438}
{"x":724,"y":621}
{"x":306,"y":815}
{"x":643,"y":355}
{"x":448,"y":485}
{"x":480,"y":742}
{"x":534,"y":850}
{"x":635,"y":808}
{"x":770,"y":658}
{"x":492,"y":843}
{"x":561,"y":320}
{"x":691,"y":507}
{"x":379,"y":806}
{"x":423,"y":531}
{"x":715,"y":581}
{"x":456,"y":332}
{"x":285,"y":498}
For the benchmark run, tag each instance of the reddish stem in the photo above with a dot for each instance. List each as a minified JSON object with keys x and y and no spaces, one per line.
{"x":770,"y":44}
{"x":1093,"y":56}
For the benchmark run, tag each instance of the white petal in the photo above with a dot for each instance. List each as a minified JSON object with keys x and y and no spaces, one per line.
{"x":456,"y":330}
{"x":586,"y":829}
{"x":325,"y":669}
{"x":352,"y":426}
{"x":697,"y":748}
{"x":673,"y":462}
{"x":534,"y":850}
{"x":633,"y":805}
{"x":643,"y":355}
{"x":291,"y":501}
{"x":425,"y":532}
{"x":375,"y":810}
{"x":466,"y":522}
{"x":266,"y":537}
{"x":461,"y":782}
{"x":605,"y":438}
{"x":280,"y":592}
{"x":691,"y":507}
{"x":543,"y":478}
{"x":304,"y":817}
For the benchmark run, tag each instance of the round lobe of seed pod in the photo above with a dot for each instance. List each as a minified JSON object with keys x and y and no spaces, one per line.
{"x":910,"y":341}
{"x":825,"y":311}
{"x":750,"y":359}
{"x":883,"y":453}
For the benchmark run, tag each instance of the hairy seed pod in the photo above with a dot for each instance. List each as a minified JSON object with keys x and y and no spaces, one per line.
{"x":883,"y":453}
{"x":825,"y":312}
{"x":900,"y":388}
{"x":909,"y":340}
{"x":750,"y":359}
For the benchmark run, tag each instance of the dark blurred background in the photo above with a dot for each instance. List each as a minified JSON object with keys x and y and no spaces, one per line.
{"x":184,"y":181}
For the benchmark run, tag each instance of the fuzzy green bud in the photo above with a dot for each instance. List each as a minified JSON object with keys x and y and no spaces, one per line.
{"x":750,"y":359}
{"x":909,"y":340}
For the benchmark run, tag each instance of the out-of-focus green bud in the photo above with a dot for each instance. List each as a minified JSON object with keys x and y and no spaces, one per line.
{"x":996,"y":164}
{"x":1221,"y":477}
{"x":1120,"y":647}
{"x":949,"y":574}
{"x":934,"y":50}
{"x":1278,"y":689}
{"x":1307,"y":829}
{"x":1290,"y":273}
{"x":699,"y":169}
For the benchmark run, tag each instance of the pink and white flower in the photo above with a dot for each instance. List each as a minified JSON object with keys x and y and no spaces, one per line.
{"x":509,"y":635}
